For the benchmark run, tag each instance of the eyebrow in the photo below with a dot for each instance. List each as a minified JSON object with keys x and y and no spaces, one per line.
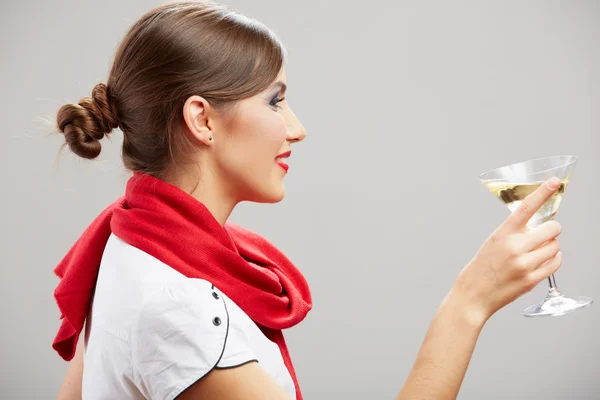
{"x":280,"y":85}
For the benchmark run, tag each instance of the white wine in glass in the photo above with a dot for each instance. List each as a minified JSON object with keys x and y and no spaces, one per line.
{"x":512,"y":184}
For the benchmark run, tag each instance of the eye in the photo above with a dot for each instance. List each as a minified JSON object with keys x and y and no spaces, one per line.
{"x":275,"y":102}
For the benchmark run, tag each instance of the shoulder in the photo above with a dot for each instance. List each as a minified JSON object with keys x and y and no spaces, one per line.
{"x":181,"y":333}
{"x":181,"y":300}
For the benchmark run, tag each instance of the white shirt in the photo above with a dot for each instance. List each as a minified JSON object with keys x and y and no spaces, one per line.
{"x":152,"y":332}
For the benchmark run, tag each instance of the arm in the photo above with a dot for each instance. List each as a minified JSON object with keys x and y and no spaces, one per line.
{"x":510,"y":263}
{"x":445,"y":354}
{"x":71,"y":385}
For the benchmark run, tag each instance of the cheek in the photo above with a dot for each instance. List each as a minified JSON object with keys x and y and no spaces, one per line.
{"x":265,"y":140}
{"x":270,"y":133}
{"x":252,"y":148}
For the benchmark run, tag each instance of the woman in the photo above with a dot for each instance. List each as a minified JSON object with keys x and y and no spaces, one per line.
{"x":179,"y":303}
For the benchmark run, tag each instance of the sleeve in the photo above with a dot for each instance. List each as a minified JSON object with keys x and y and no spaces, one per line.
{"x":182,"y":333}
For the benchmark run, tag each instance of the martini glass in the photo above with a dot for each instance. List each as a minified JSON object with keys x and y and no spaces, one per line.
{"x":511,"y":184}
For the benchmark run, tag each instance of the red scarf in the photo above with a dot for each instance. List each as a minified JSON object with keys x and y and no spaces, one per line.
{"x":172,"y":226}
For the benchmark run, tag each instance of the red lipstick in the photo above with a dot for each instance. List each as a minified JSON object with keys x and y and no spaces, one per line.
{"x":281,"y":163}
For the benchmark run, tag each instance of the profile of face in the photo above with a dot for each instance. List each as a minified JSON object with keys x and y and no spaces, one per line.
{"x":244,"y":154}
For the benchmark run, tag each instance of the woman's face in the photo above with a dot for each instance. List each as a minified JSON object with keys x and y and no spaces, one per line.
{"x":248,"y":150}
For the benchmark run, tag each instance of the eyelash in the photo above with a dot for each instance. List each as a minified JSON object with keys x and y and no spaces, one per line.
{"x":275,"y":102}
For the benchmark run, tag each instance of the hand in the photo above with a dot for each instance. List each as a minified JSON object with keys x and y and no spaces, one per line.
{"x":513,"y":260}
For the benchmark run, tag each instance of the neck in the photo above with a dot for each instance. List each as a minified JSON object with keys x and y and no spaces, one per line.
{"x":207,"y":191}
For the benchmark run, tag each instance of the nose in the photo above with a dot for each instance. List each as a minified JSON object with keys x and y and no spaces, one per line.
{"x":295,"y":131}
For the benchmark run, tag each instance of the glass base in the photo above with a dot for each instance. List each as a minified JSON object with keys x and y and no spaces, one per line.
{"x":557,"y":304}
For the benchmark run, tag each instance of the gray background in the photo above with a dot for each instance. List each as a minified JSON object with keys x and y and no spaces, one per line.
{"x":405,"y":104}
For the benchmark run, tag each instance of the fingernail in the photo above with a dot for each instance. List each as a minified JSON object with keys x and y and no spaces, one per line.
{"x":554,"y":183}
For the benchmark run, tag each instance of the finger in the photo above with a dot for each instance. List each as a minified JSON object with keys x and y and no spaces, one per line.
{"x":543,"y":272}
{"x":531,"y":204}
{"x":539,"y":256}
{"x":542,"y":234}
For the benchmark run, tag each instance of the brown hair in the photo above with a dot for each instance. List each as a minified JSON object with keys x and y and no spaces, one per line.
{"x":171,"y":53}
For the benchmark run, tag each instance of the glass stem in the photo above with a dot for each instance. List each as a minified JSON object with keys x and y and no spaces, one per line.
{"x":553,"y":291}
{"x":553,"y":288}
{"x":552,"y":281}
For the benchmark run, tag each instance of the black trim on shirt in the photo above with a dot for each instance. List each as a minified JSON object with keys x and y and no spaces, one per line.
{"x":238,"y":365}
{"x":221,"y":356}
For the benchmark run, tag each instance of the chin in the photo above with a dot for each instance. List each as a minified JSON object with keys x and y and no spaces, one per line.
{"x":273,"y":194}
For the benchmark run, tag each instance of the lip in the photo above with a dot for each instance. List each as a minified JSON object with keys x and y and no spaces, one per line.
{"x":285,"y":154}
{"x":281,"y":163}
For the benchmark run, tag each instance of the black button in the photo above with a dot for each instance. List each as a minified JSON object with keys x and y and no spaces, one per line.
{"x":217,"y":321}
{"x":216,"y":295}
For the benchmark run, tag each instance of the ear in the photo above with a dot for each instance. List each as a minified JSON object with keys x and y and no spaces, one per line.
{"x":198,"y":120}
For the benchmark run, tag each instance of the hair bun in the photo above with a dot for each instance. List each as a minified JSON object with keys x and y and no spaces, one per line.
{"x":85,"y":124}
